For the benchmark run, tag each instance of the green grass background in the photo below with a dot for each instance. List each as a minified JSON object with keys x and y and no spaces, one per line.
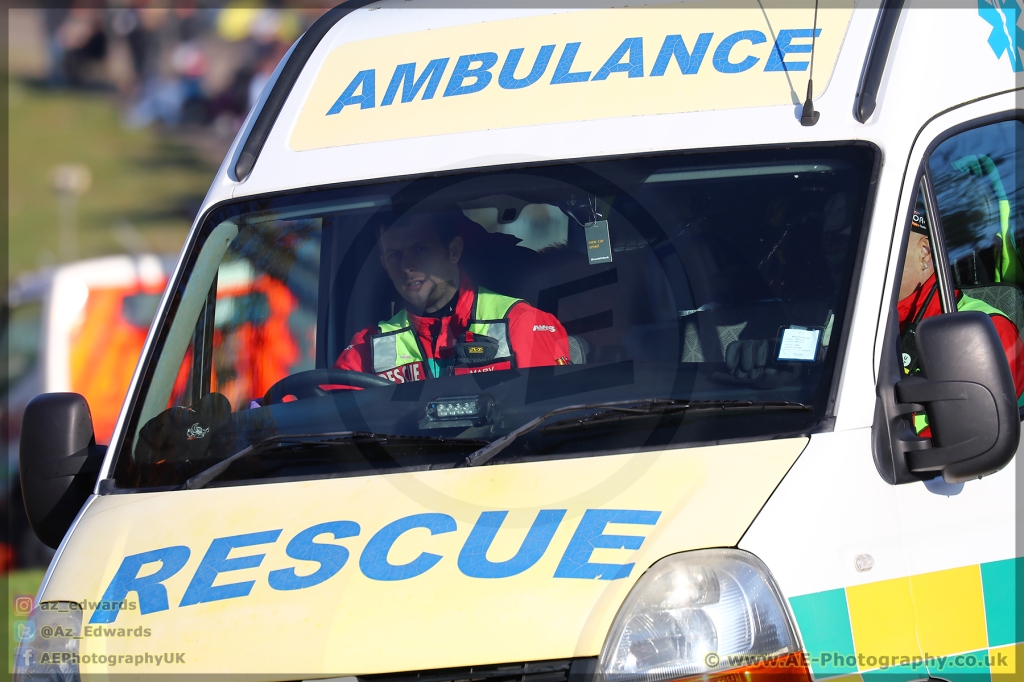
{"x":145,"y":183}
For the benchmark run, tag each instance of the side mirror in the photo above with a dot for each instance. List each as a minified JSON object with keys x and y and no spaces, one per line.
{"x":59,"y":461}
{"x":966,"y":388}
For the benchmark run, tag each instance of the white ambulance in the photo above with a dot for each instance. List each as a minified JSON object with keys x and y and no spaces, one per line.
{"x":630,"y":342}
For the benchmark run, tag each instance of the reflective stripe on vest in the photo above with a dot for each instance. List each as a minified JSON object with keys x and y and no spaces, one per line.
{"x":396,"y":344}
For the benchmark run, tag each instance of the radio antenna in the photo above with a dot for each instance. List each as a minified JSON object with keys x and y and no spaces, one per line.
{"x":809,"y":116}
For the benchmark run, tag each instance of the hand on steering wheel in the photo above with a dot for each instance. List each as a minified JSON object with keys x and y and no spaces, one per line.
{"x":307,"y":384}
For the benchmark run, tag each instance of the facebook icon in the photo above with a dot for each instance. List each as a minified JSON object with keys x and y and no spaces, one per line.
{"x":27,"y":655}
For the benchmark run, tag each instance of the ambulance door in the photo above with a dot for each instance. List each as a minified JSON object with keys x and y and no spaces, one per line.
{"x":959,"y":539}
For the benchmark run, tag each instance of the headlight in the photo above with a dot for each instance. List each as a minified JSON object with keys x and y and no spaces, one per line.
{"x":701,"y":612}
{"x":48,"y":648}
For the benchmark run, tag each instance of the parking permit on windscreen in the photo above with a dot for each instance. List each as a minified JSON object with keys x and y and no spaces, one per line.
{"x":799,"y":344}
{"x":599,"y":245}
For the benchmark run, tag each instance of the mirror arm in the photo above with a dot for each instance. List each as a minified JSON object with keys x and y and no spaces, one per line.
{"x":915,"y":389}
{"x":936,"y":459}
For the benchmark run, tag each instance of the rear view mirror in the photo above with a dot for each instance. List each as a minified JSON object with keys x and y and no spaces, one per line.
{"x":967,"y":390}
{"x":59,"y":460}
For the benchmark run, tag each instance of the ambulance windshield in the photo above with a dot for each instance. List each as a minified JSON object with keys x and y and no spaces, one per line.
{"x":585,"y":308}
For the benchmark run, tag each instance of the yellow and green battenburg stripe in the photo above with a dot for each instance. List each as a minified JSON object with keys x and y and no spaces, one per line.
{"x":966,"y":623}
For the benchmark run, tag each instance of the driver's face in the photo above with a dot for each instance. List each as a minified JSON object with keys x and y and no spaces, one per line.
{"x":424,"y":271}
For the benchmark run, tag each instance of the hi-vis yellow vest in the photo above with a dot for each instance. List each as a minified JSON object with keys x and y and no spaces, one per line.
{"x":397,"y":345}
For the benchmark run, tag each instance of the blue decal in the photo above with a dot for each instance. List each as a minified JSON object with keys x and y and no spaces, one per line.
{"x":634,"y":66}
{"x":365,"y":81}
{"x":374,"y":559}
{"x":216,"y":561}
{"x":405,"y":77}
{"x":721,"y":59}
{"x":563,"y":72}
{"x":462,"y":71}
{"x":330,"y":557}
{"x":1006,"y":35}
{"x":152,"y":595}
{"x":783,"y":46}
{"x":689,"y":62}
{"x":507,"y":78}
{"x":473,"y":557}
{"x":590,"y":535}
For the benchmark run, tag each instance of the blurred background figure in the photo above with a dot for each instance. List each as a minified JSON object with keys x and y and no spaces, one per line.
{"x":77,"y":42}
{"x":142,"y":97}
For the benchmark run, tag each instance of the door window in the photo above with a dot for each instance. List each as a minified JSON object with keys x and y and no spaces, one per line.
{"x":976,"y":179}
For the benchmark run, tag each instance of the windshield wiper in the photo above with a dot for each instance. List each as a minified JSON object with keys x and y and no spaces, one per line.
{"x":632,"y":408}
{"x":204,"y":477}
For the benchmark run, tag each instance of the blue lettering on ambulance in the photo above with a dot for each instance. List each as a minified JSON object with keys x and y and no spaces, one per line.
{"x":464,"y":69}
{"x":689,"y":62}
{"x":374,"y":560}
{"x":302,"y":547}
{"x":784,"y":45}
{"x":152,"y":594}
{"x":590,"y":535}
{"x":216,"y":561}
{"x":405,"y":77}
{"x":563,"y":69}
{"x":473,"y":72}
{"x":473,"y":559}
{"x":634,"y":66}
{"x":721,"y":59}
{"x":507,"y":78}
{"x":365,"y":82}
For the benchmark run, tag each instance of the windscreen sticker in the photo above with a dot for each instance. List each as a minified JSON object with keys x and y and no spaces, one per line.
{"x":144,"y":574}
{"x":571,"y":66}
{"x":799,"y":344}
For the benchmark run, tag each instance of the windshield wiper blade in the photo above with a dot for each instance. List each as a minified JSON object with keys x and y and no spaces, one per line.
{"x":204,"y":477}
{"x":630,"y":407}
{"x":614,"y":415}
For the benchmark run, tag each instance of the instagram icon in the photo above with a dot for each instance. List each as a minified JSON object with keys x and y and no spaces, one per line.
{"x":23,"y":604}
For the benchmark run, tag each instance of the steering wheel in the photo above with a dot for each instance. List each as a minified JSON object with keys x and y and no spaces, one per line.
{"x":307,"y":384}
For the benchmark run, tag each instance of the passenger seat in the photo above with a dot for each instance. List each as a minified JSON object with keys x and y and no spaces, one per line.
{"x":1005,"y":297}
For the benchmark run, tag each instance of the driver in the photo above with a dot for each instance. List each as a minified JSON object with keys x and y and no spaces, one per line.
{"x":449,"y":326}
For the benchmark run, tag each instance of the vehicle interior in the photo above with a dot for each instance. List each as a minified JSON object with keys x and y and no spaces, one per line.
{"x":688,"y":283}
{"x":724,"y":286}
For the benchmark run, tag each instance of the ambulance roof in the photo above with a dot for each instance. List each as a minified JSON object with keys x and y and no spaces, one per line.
{"x":403,"y":87}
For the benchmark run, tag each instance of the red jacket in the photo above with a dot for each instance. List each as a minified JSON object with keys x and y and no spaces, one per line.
{"x":536,"y":338}
{"x":1008,"y":333}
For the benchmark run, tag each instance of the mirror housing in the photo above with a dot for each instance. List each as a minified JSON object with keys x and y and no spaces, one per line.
{"x":967,"y":390}
{"x":59,"y":461}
